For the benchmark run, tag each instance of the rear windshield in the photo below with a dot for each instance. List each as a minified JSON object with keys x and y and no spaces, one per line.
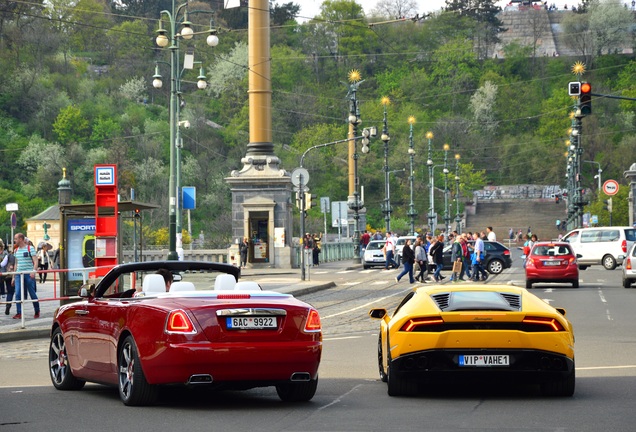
{"x":630,"y":234}
{"x":552,"y":250}
{"x":375,"y":246}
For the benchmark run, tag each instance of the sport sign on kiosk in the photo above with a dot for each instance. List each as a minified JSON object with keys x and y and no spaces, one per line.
{"x":610,"y":187}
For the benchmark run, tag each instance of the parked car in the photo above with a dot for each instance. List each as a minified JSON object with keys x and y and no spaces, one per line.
{"x":373,"y":255}
{"x":606,"y":246}
{"x":629,"y":268}
{"x":399,"y":245}
{"x":552,"y":262}
{"x":497,"y":332}
{"x":208,"y":329}
{"x":497,"y":259}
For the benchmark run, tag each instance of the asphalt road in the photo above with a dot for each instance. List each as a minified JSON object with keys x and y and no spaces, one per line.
{"x":349,"y":396}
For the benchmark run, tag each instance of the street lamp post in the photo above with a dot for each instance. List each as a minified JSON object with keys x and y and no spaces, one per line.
{"x":412,"y":213}
{"x":597,"y":176}
{"x":354,"y":201}
{"x":385,"y":139}
{"x":446,"y":214}
{"x":429,"y":163}
{"x":458,"y":219}
{"x":170,"y":38}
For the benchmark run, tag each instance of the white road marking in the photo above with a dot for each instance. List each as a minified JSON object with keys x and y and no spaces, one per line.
{"x":366,"y":304}
{"x":339,"y":398}
{"x":606,"y":367}
{"x":342,"y":338}
{"x":345,"y":271}
{"x":548,"y":290}
{"x":547,"y":300}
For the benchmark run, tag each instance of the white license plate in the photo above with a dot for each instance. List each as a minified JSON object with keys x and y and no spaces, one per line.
{"x":246,"y":323}
{"x":484,"y":360}
{"x":551,"y":263}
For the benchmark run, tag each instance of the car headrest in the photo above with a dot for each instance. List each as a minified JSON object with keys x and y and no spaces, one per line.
{"x":182,"y":286}
{"x":154,"y":283}
{"x":224,"y":282}
{"x":247,"y":286}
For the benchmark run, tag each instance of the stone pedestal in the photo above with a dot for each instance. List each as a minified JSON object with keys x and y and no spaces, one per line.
{"x":262,"y":211}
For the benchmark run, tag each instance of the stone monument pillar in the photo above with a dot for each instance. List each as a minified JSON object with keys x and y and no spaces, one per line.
{"x":630,"y":175}
{"x":261,"y":190}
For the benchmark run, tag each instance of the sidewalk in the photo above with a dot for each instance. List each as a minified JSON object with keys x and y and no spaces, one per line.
{"x":280,"y":280}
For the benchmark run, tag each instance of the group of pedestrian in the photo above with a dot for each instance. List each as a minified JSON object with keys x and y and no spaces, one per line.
{"x":427,"y":255}
{"x":313,"y":242}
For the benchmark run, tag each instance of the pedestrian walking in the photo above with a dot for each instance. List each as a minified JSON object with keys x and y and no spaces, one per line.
{"x":436,"y":251}
{"x":421,"y":261}
{"x":316,"y":249}
{"x":478,"y":257}
{"x":244,"y":247}
{"x":44,"y":261}
{"x":389,"y":250}
{"x":7,"y":266}
{"x":408,"y":258}
{"x":490,"y":234}
{"x":26,"y":261}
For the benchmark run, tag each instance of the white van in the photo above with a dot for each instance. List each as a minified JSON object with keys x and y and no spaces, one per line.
{"x":602,"y":245}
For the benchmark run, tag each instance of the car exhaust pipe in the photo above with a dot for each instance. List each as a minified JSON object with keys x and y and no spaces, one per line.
{"x":200,"y":379}
{"x":300,"y":376}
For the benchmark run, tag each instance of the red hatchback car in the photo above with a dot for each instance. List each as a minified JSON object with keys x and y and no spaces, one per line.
{"x":552,"y":262}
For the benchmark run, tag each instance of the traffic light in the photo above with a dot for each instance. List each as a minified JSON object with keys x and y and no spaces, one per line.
{"x":574,"y":88}
{"x":607,"y":205}
{"x":137,"y":215}
{"x":585,"y":98}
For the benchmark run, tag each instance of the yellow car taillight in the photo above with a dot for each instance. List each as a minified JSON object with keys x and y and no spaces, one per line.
{"x":550,"y":323}
{"x":414,"y":323}
{"x":628,"y":264}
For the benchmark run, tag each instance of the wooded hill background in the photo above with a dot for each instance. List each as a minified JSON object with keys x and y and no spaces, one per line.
{"x":77,"y":90}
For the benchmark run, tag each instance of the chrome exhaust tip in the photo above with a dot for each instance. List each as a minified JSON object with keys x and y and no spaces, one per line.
{"x":300,"y":376}
{"x":200,"y":379}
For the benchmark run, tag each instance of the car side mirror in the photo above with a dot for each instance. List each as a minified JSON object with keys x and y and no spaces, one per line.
{"x":377,"y":313}
{"x":579,"y":256}
{"x":561,"y":311}
{"x":86,"y":290}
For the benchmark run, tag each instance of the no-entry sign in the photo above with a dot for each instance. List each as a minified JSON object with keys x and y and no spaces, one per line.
{"x":610,"y":187}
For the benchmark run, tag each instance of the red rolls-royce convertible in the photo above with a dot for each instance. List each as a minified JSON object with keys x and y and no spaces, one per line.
{"x":209,"y":328}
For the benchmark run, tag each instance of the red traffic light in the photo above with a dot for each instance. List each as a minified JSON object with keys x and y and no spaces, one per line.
{"x":586,"y":88}
{"x":585,"y":99}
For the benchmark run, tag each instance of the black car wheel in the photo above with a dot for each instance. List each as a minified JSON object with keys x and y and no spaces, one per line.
{"x":133,"y":387}
{"x":627,"y":283}
{"x":609,"y":262}
{"x":495,"y":266}
{"x":297,"y":391}
{"x":61,"y":375}
{"x":528,"y":284}
{"x":575,"y":283}
{"x":562,"y":388}
{"x":383,"y":376}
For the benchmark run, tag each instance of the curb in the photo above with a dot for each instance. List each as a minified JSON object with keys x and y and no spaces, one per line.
{"x":25,"y":334}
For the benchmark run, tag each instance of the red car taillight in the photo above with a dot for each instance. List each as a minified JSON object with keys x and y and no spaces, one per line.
{"x":529,"y":262}
{"x":628,"y":264}
{"x":624,"y":246}
{"x":313,"y":321}
{"x":233,"y":296}
{"x":179,"y":322}
{"x":571,"y":261}
{"x":506,"y":252}
{"x":550,"y":323}
{"x":413,"y":323}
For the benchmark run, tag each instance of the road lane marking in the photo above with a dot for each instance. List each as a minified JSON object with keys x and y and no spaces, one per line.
{"x":606,"y":367}
{"x":341,"y":338}
{"x":366,"y":304}
{"x":339,"y":399}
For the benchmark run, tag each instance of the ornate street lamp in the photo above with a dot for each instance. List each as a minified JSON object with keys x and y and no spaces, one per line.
{"x":170,"y":38}
{"x":385,"y":139}
{"x":412,"y":213}
{"x":446,"y":214}
{"x":458,"y":219}
{"x":354,"y":202}
{"x":429,"y":164}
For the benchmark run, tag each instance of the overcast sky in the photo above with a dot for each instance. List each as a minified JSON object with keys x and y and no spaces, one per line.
{"x":311,"y":8}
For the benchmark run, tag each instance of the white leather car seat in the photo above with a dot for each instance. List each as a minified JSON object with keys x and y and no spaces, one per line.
{"x":224,"y":282}
{"x":182,"y":286}
{"x":153,"y":283}
{"x":247,"y":286}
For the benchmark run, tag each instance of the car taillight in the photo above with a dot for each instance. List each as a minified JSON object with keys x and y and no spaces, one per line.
{"x":530,"y":262}
{"x":233,"y":296}
{"x":313,"y":321}
{"x":571,"y":260}
{"x":628,"y":264}
{"x":624,"y":246}
{"x":506,"y":252}
{"x":413,"y":323}
{"x":550,"y":323}
{"x":179,"y":322}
